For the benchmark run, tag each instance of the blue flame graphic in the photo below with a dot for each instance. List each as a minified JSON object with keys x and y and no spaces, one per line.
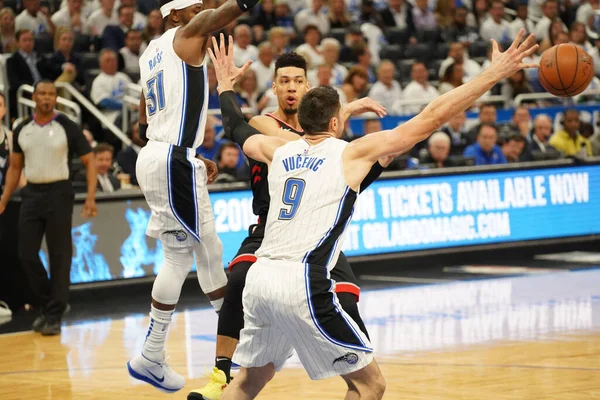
{"x":134,"y":250}
{"x":87,"y":266}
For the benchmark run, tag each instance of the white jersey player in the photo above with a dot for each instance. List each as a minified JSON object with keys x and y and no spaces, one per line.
{"x":289,"y":299}
{"x":173,"y":109}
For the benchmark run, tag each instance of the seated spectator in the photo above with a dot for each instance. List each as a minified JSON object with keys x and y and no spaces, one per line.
{"x":542,"y":28}
{"x":265,"y":20}
{"x":280,"y":40}
{"x":363,"y":54}
{"x":103,"y":154}
{"x":485,"y":151}
{"x":127,"y":157}
{"x":139,"y":19}
{"x":330,"y":48}
{"x":369,"y":15}
{"x":316,"y":15}
{"x":578,"y":36}
{"x":457,"y":53}
{"x":418,"y":89}
{"x":355,"y":85}
{"x":7,"y":31}
{"x":457,"y":132}
{"x":129,"y":56}
{"x":310,"y":49}
{"x":487,"y":115}
{"x":459,"y":31}
{"x":33,"y":19}
{"x":542,"y":129}
{"x":113,"y":36}
{"x":265,"y":66}
{"x":247,"y":90}
{"x":521,"y":22}
{"x":515,"y":85}
{"x":443,"y":11}
{"x":352,"y":40}
{"x":512,"y":147}
{"x":228,"y":161}
{"x":324,"y":76}
{"x":338,"y":14}
{"x":453,"y":77}
{"x":568,"y":140}
{"x":554,"y":37}
{"x":211,"y":144}
{"x":102,"y":17}
{"x":213,"y":94}
{"x":71,"y":17}
{"x":155,"y":26}
{"x":438,"y":150}
{"x":399,"y":15}
{"x":108,"y":88}
{"x":22,"y":66}
{"x":63,"y":65}
{"x":372,"y":125}
{"x":243,"y":49}
{"x":495,"y":27}
{"x":423,"y":17}
{"x":386,"y":90}
{"x":283,"y":18}
{"x":519,"y":125}
{"x":480,"y":14}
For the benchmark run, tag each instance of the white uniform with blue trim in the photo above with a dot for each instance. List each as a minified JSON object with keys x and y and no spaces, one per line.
{"x":289,"y":300}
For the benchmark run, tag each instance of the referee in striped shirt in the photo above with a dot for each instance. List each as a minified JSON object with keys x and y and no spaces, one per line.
{"x":43,"y":146}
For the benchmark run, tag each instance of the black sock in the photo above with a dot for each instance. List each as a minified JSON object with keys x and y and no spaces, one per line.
{"x":224,"y":364}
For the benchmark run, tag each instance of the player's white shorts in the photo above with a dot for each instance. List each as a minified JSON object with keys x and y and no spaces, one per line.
{"x":292,"y":306}
{"x":174,"y":181}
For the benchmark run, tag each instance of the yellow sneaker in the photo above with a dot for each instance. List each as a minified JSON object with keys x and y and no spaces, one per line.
{"x":213,"y":390}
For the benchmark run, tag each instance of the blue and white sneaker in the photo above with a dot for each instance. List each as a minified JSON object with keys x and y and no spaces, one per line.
{"x":158,"y":374}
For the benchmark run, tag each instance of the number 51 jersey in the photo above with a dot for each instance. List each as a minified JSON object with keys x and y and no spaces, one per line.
{"x":311,"y":204}
{"x":176,"y":94}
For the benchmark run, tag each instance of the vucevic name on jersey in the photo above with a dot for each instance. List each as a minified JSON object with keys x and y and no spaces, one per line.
{"x":258,"y":179}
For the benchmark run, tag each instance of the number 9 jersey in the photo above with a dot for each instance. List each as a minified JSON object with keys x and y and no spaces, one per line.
{"x":176,"y":94}
{"x":311,"y":204}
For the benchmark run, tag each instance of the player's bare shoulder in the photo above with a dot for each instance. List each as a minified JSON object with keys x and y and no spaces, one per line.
{"x":265,"y":125}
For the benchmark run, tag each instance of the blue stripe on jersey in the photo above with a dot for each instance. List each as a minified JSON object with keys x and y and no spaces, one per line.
{"x":183,"y":106}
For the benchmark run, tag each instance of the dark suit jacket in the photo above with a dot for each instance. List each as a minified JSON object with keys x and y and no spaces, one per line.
{"x":113,"y":38}
{"x":51,"y":67}
{"x":18,"y":73}
{"x":534,"y":147}
{"x":388,"y":19}
{"x":80,"y":182}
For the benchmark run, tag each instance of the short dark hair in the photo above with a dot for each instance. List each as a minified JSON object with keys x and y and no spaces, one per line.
{"x":515,"y":137}
{"x":38,"y":83}
{"x":21,"y":32}
{"x":486,"y":105}
{"x":311,"y":27}
{"x":132,"y":31}
{"x":122,"y":7}
{"x":571,"y":111}
{"x":484,"y":124}
{"x":290,"y":60}
{"x":225,"y":146}
{"x":317,"y":108}
{"x":103,"y":147}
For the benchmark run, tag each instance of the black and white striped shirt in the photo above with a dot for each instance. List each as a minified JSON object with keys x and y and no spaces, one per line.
{"x":48,"y":148}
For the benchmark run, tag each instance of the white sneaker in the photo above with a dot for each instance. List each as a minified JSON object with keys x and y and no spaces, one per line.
{"x":5,"y":312}
{"x":158,"y":374}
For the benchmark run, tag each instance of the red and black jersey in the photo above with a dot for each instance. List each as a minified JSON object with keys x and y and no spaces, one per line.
{"x":258,"y":178}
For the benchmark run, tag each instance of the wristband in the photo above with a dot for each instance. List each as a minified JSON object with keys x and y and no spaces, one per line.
{"x":246,"y":5}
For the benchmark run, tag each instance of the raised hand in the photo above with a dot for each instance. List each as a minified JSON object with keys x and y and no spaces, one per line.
{"x":365,"y":105}
{"x":509,"y":62}
{"x":226,"y":71}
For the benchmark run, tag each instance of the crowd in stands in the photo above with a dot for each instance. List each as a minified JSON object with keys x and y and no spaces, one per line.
{"x":401,"y":53}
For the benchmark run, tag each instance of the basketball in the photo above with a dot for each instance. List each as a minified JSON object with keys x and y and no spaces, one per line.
{"x":566,"y":70}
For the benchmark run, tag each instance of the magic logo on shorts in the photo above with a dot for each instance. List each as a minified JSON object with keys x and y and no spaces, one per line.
{"x":350,"y":358}
{"x":181,"y":236}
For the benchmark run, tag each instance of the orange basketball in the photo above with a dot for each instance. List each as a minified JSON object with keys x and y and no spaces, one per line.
{"x":566,"y":70}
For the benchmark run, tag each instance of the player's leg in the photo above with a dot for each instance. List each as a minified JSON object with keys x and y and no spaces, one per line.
{"x":367,"y":383}
{"x":249,"y":382}
{"x":347,"y":290}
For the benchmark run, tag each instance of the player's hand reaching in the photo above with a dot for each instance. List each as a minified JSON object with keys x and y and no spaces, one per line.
{"x":365,"y":105}
{"x":511,"y":61}
{"x":212,"y":171}
{"x":222,"y":58}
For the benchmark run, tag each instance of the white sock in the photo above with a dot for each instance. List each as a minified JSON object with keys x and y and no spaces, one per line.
{"x":217,"y":304}
{"x":154,"y":345}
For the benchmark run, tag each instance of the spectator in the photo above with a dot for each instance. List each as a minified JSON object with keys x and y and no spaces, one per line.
{"x":247,"y":89}
{"x":495,"y":27}
{"x":33,"y":19}
{"x":283,"y":18}
{"x":568,"y":140}
{"x":338,"y":14}
{"x":535,"y":9}
{"x":457,"y":132}
{"x":130,"y":54}
{"x":521,"y":22}
{"x":21,"y":67}
{"x":70,"y":17}
{"x":352,"y":40}
{"x":386,"y":90}
{"x":155,"y":26}
{"x":363,"y":54}
{"x":512,"y":147}
{"x":324,"y":76}
{"x":63,"y":65}
{"x":113,"y":36}
{"x":139,"y":19}
{"x":211,"y":144}
{"x":372,"y":125}
{"x":418,"y":89}
{"x":369,"y":15}
{"x":520,"y":125}
{"x":264,"y":67}
{"x":443,"y":11}
{"x":108,"y":88}
{"x":103,"y":155}
{"x":316,"y":15}
{"x":399,"y":14}
{"x":310,"y":49}
{"x":228,"y":161}
{"x":485,"y":151}
{"x":479,"y":15}
{"x":7,"y":31}
{"x":127,"y":157}
{"x":423,"y":18}
{"x":437,"y":152}
{"x":213,"y":94}
{"x":279,"y":39}
{"x":459,"y":31}
{"x":515,"y":85}
{"x":542,"y":130}
{"x":487,"y":115}
{"x":550,"y":11}
{"x":458,"y":54}
{"x":265,"y":20}
{"x":453,"y":78}
{"x":355,"y":84}
{"x":330,"y":48}
{"x":243,"y":49}
{"x":578,"y":36}
{"x":100,"y":18}
{"x":550,"y":40}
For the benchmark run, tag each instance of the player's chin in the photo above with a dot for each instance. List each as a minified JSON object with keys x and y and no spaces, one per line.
{"x":290,"y":110}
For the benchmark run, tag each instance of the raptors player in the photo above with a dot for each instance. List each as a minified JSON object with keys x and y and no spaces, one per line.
{"x":174,"y":105}
{"x":289,"y":85}
{"x":289,"y":299}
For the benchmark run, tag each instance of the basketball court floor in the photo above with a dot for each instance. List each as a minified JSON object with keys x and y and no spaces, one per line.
{"x":463,"y":332}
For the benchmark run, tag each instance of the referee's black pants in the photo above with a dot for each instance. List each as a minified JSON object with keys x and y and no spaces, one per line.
{"x":47,"y":209}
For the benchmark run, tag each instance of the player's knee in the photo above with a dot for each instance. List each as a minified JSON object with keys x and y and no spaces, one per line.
{"x":237,"y":281}
{"x":379,"y":387}
{"x":175,"y":269}
{"x":209,"y":263}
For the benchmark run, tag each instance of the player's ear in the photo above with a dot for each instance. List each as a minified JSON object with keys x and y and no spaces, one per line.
{"x":174,"y":16}
{"x":273,"y":87}
{"x":333,"y":124}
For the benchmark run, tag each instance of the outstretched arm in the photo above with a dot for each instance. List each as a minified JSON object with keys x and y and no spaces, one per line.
{"x":262,"y":148}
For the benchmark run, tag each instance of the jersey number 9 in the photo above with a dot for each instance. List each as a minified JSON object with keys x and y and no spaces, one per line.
{"x":292,"y":194}
{"x":156,"y":94}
